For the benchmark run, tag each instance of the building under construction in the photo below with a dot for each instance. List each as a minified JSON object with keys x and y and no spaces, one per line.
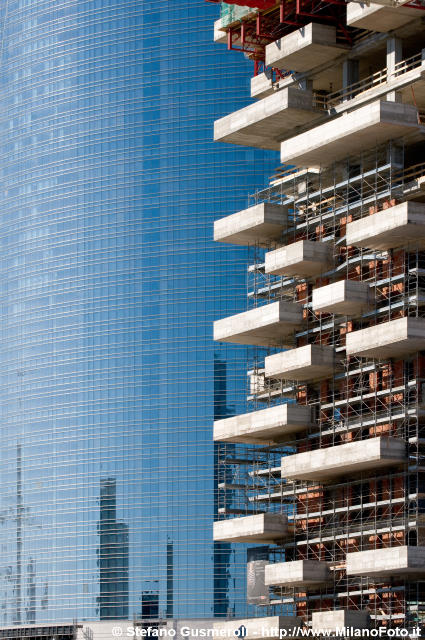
{"x":324,"y":476}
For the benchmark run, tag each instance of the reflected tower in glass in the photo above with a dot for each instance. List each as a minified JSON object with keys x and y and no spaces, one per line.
{"x":109,"y":284}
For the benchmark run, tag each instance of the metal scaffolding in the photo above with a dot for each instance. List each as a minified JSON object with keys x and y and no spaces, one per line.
{"x":365,"y":398}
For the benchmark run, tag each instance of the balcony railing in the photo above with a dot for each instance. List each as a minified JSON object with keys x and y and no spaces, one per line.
{"x":374,"y":80}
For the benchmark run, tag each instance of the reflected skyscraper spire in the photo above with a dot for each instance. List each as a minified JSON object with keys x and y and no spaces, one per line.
{"x":113,"y":555}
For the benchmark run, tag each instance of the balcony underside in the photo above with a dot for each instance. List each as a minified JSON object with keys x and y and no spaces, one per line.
{"x":400,"y":226}
{"x":261,"y":528}
{"x":304,"y":259}
{"x":265,"y":123}
{"x":299,"y":573}
{"x":346,"y":297}
{"x":308,"y":363}
{"x":376,"y":17}
{"x":406,"y":561}
{"x":269,"y":325}
{"x":265,"y":426}
{"x":304,"y":49}
{"x":261,"y":224}
{"x":332,"y":621}
{"x":346,"y":459}
{"x":351,"y":133}
{"x":393,"y":339}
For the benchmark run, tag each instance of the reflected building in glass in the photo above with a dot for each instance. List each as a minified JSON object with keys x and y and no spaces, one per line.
{"x":113,"y":555}
{"x":109,"y":284}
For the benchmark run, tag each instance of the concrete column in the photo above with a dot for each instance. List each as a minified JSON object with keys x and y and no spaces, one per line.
{"x":350,"y":75}
{"x":394,"y":55}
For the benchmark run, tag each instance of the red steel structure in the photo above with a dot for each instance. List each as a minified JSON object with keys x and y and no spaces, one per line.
{"x":270,"y":20}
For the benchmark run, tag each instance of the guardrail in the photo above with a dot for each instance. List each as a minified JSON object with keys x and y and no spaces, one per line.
{"x":374,"y":80}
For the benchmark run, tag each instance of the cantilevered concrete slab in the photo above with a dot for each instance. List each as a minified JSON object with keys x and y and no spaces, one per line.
{"x":269,"y":325}
{"x":331,"y":621}
{"x":263,"y":124}
{"x":262,"y":86}
{"x":376,"y":17}
{"x":392,"y":339}
{"x":352,"y":458}
{"x":257,"y":628}
{"x":311,"y":362}
{"x":304,"y":258}
{"x":399,"y":226}
{"x":263,"y":527}
{"x":346,"y":297}
{"x":300,"y":573}
{"x":351,"y":133}
{"x":261,"y":224}
{"x":304,"y":49}
{"x":219,"y":35}
{"x":265,"y":426}
{"x":388,"y":562}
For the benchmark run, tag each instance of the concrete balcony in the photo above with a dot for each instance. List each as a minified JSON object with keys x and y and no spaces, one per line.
{"x":376,"y":17}
{"x":311,"y":362}
{"x":300,"y":573}
{"x":399,"y":226}
{"x":346,"y":297}
{"x":356,"y":457}
{"x":262,"y":86}
{"x":304,"y":259}
{"x":304,"y":49}
{"x":388,"y":562}
{"x":265,"y":528}
{"x":256,"y":628}
{"x":331,"y":621}
{"x":270,"y":325}
{"x":265,"y":426}
{"x":219,"y":35}
{"x":393,"y":339}
{"x":261,"y":224}
{"x":265,"y":123}
{"x":350,"y":134}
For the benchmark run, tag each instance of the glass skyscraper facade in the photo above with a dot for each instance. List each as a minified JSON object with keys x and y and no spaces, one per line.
{"x":109,"y":285}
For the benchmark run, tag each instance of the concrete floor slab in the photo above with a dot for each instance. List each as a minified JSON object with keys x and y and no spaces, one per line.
{"x":265,"y":123}
{"x":346,"y":297}
{"x":262,"y":86}
{"x":392,"y":339}
{"x":387,"y":562}
{"x":376,"y":17}
{"x":261,"y":224}
{"x":400,"y":226}
{"x":352,"y":458}
{"x":265,"y":426}
{"x":262,"y":528}
{"x":269,"y":325}
{"x":307,"y":363}
{"x":331,"y":621}
{"x":304,"y":258}
{"x":299,"y":573}
{"x":351,"y":133}
{"x":220,"y":36}
{"x":304,"y":49}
